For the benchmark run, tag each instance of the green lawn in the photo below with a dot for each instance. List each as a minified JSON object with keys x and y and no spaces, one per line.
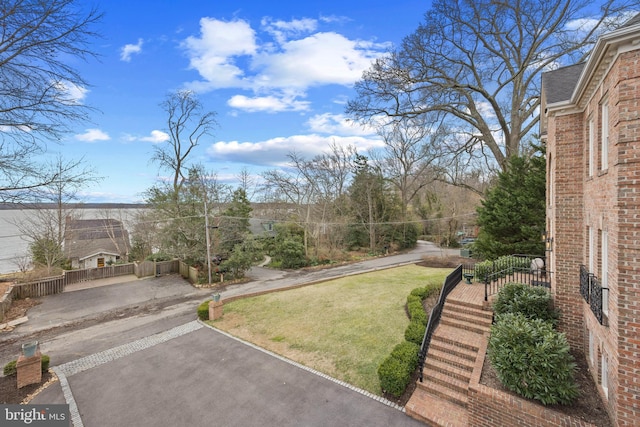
{"x":344,"y":328}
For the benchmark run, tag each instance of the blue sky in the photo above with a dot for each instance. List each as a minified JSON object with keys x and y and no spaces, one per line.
{"x":277,"y":74}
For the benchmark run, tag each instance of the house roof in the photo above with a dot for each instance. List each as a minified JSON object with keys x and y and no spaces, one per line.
{"x":559,"y":84}
{"x":568,"y":84}
{"x":87,"y":237}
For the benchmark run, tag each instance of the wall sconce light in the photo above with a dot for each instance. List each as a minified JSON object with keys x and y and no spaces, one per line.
{"x":548,"y":242}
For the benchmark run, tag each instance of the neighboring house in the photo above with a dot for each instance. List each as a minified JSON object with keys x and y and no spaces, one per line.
{"x":591,"y":124}
{"x":91,"y":243}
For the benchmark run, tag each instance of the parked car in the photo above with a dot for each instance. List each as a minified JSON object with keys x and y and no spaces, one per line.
{"x":467,"y":240}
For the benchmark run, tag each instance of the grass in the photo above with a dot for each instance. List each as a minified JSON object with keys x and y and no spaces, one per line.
{"x":344,"y":327}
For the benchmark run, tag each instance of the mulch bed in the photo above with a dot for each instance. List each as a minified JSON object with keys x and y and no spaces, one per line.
{"x":11,"y":394}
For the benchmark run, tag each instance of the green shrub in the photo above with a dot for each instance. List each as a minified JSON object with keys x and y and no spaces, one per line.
{"x":532,"y":359}
{"x":395,"y":371}
{"x":533,"y":302}
{"x":416,"y":309}
{"x":203,"y":310}
{"x":415,"y":332}
{"x":45,"y":363}
{"x":11,"y":367}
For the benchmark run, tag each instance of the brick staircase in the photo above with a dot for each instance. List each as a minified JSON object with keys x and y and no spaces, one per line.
{"x":441,"y":399}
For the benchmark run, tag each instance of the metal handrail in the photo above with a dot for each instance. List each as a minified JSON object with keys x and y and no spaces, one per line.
{"x":450,"y":283}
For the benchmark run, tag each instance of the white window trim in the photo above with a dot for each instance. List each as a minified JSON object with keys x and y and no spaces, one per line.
{"x":604,"y":141}
{"x":592,"y":353}
{"x":604,"y":375}
{"x":592,"y":148}
{"x":591,"y":251}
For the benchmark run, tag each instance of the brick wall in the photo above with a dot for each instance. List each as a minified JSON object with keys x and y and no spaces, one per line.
{"x":609,"y":203}
{"x":566,"y":145}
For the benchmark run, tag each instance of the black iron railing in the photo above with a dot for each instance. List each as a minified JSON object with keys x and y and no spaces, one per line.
{"x":592,"y":291}
{"x":528,"y":269}
{"x":450,"y":283}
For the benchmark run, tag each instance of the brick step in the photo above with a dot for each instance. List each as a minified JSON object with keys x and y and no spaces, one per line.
{"x":467,"y":304}
{"x":456,"y":336}
{"x":451,"y":348}
{"x":465,"y":325}
{"x":434,"y":411}
{"x":472,"y":311}
{"x":444,"y":392}
{"x":449,"y":313}
{"x":447,"y":368}
{"x":435,"y":377}
{"x":451,"y":359}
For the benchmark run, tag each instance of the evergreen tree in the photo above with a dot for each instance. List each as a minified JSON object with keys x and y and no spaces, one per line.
{"x":234,"y":224}
{"x":512,"y":216}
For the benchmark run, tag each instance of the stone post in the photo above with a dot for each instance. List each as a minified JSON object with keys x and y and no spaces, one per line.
{"x":215,"y":310}
{"x":29,"y":369}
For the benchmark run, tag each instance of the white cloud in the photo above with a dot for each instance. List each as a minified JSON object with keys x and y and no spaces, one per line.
{"x":129,"y":49}
{"x":338,"y":124}
{"x":70,"y":93}
{"x":273,"y":152}
{"x":156,"y":137}
{"x":230,"y":55}
{"x":93,"y":135}
{"x":283,"y":30}
{"x":213,"y":54}
{"x":270,"y":104}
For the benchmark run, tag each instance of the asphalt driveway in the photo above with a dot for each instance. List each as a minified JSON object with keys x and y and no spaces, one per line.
{"x":194,"y":375}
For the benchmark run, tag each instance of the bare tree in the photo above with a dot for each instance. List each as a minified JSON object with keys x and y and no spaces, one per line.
{"x":45,"y":227}
{"x":39,"y":90}
{"x":186,"y":125}
{"x":478,"y":65}
{"x":412,"y":150}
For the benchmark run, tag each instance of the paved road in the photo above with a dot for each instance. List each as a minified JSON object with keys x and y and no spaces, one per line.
{"x":132,"y":374}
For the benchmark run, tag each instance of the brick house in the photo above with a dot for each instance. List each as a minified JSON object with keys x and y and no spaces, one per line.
{"x":91,"y":243}
{"x":590,"y":120}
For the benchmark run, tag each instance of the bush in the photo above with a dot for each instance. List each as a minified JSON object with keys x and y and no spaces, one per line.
{"x":532,"y":359}
{"x":203,"y":310}
{"x":532,"y":302}
{"x":395,"y":371}
{"x":415,"y":332}
{"x":11,"y":367}
{"x":416,"y":309}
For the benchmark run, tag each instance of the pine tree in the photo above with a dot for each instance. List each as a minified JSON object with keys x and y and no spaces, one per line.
{"x":512,"y":216}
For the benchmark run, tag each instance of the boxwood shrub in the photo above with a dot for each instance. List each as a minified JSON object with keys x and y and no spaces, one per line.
{"x":395,"y":371}
{"x":533,"y":302}
{"x":532,"y":359}
{"x":11,"y":367}
{"x":203,"y":310}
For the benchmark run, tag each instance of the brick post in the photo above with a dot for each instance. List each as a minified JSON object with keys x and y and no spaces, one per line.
{"x":29,"y":369}
{"x":215,"y":309}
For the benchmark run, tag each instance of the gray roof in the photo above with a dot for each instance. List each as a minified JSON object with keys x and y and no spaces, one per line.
{"x":86,"y":237}
{"x":559,"y":84}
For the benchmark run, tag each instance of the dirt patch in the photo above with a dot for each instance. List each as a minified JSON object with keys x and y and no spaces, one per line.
{"x":19,"y":308}
{"x":11,"y":394}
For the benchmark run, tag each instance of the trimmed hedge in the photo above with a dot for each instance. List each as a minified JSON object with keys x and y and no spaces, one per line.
{"x":203,"y":310}
{"x":532,"y":359}
{"x":395,"y":371}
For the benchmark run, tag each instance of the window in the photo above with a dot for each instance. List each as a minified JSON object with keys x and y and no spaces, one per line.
{"x":592,"y":148}
{"x":604,"y":377}
{"x":605,"y":272}
{"x":591,"y":235}
{"x":604,"y":140}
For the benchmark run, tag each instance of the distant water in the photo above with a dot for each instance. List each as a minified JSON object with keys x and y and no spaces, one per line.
{"x":14,"y":246}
